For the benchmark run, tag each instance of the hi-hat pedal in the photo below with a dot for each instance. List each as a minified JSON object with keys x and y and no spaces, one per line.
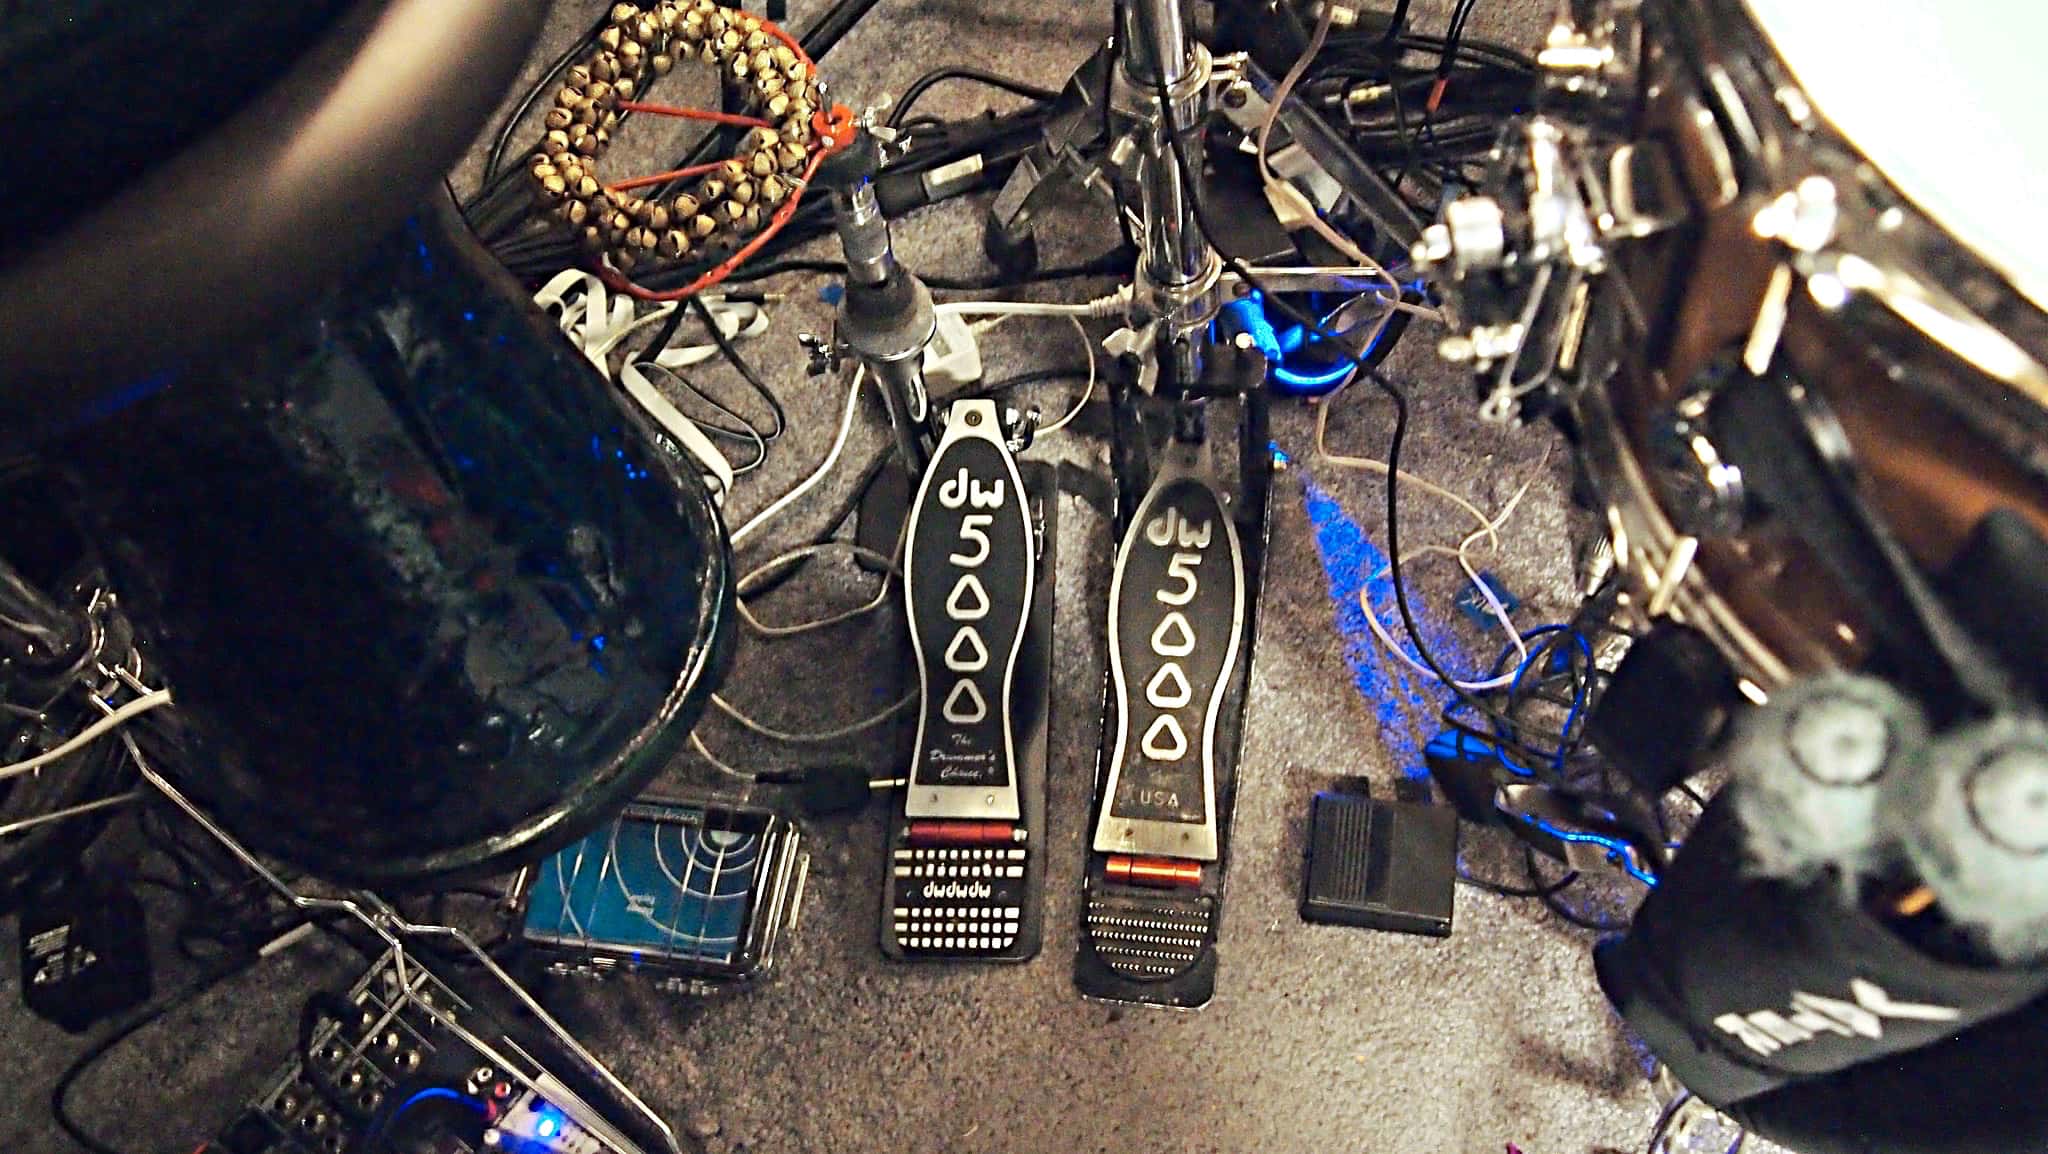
{"x":965,"y":850}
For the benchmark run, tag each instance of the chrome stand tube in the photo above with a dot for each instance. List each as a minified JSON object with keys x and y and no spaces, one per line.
{"x":1166,"y":84}
{"x":886,"y":317}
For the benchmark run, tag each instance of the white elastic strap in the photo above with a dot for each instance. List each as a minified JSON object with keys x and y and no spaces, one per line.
{"x":680,"y":428}
{"x":824,"y":468}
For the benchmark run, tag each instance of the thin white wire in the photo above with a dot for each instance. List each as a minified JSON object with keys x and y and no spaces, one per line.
{"x":804,"y":486}
{"x":1285,"y":192}
{"x":1371,"y":465}
{"x":713,"y":760}
{"x":1489,"y":527}
{"x":788,"y":737}
{"x":90,"y":733}
{"x":1081,"y":402}
{"x":890,"y":571}
{"x":1087,"y":346}
{"x":1493,"y":602}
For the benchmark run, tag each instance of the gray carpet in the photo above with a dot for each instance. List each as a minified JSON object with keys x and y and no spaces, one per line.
{"x":1319,"y":1039}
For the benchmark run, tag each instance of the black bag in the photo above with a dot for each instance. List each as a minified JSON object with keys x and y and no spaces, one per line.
{"x":1819,"y":1026}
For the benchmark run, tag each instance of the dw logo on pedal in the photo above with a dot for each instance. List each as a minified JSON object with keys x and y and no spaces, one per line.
{"x":1174,"y":637}
{"x":961,"y":489}
{"x":967,"y":654}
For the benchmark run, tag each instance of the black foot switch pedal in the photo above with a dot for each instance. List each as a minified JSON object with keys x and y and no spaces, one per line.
{"x":1177,"y":614}
{"x":964,"y":854}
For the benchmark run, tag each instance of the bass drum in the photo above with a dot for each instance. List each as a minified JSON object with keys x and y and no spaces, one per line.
{"x":431,"y":602}
{"x":1861,"y":241}
{"x":1824,"y":445}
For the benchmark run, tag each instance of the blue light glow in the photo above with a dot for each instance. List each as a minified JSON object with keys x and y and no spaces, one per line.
{"x":1311,"y":382}
{"x":428,"y":1094}
{"x":1617,"y":850}
{"x":132,"y":393}
{"x":1349,"y":559}
{"x":1249,"y":315}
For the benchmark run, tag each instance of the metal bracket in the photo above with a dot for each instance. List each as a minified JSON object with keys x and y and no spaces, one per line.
{"x":384,"y":920}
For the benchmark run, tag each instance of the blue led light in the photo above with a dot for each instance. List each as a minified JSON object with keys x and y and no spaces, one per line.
{"x":430,"y":1092}
{"x":547,"y":1127}
{"x":132,"y":393}
{"x":1349,"y":558}
{"x":1311,"y":382}
{"x":1617,"y":850}
{"x":1278,"y":345}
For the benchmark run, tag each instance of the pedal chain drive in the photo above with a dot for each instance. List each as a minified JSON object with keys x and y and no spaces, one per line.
{"x":960,"y":859}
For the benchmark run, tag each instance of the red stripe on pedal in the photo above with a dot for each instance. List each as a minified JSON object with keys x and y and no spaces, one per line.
{"x":963,"y":833}
{"x":1157,"y":872}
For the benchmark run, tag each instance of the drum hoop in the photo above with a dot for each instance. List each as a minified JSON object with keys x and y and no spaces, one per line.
{"x":1646,"y":545}
{"x":1898,"y":263}
{"x":1911,"y":284}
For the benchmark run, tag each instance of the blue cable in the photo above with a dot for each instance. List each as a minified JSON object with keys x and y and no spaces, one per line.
{"x":421,"y":1096}
{"x":1617,"y":850}
{"x":1249,"y":314}
{"x":1578,"y":698}
{"x":1460,"y":748}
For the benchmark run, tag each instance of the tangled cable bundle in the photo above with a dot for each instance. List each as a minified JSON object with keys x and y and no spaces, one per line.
{"x":776,"y":84}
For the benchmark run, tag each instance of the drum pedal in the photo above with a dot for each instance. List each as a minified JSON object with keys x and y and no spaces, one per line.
{"x":965,"y":869}
{"x":1177,"y":617}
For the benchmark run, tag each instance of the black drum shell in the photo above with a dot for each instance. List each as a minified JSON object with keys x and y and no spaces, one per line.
{"x":431,"y":600}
